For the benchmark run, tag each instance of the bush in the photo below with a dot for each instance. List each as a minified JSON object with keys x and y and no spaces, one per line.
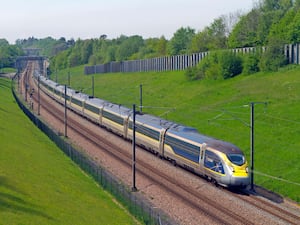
{"x":191,"y":73}
{"x":205,"y":68}
{"x":251,"y":63}
{"x":230,"y":64}
{"x":273,"y":58}
{"x":217,"y":65}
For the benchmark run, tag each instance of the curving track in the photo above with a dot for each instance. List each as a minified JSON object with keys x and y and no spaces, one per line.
{"x":204,"y":205}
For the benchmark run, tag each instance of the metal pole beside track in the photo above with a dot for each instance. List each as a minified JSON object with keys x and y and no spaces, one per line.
{"x":252,"y":104}
{"x":252,"y":144}
{"x":134,"y":189}
{"x":65,"y":119}
{"x":39,"y":99}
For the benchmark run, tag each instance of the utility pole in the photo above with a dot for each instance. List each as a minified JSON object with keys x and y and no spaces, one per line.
{"x":39,"y":99}
{"x":133,"y":189}
{"x":252,"y":104}
{"x":252,"y":144}
{"x":65,"y":118}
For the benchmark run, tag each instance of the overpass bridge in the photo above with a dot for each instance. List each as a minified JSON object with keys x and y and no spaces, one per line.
{"x":21,"y":63}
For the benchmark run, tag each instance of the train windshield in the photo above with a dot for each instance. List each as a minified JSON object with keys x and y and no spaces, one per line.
{"x":236,"y":159}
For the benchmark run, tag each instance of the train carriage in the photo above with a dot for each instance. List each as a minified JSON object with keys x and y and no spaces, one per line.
{"x":219,"y":161}
{"x":77,"y":101}
{"x":150,"y":131}
{"x":93,"y":109}
{"x":115,"y":118}
{"x":184,"y":146}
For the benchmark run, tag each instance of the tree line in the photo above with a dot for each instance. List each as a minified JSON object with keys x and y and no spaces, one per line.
{"x":269,"y":23}
{"x":8,"y":54}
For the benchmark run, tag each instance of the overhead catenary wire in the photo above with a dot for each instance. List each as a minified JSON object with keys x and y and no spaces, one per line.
{"x":276,"y":178}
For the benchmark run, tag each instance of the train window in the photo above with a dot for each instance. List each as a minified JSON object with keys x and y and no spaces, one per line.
{"x":183,"y":148}
{"x":236,"y":159}
{"x":213,"y":162}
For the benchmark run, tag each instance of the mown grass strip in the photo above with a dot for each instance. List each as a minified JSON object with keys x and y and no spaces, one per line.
{"x":39,"y":184}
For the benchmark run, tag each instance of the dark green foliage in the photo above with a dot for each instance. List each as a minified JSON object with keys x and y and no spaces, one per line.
{"x":129,"y":47}
{"x":294,"y":29}
{"x":282,"y":30}
{"x":230,"y":64}
{"x":208,"y":68}
{"x":8,"y":54}
{"x":251,"y":63}
{"x":191,"y":73}
{"x":217,"y":65}
{"x":268,"y":20}
{"x":273,"y":58}
{"x":212,"y":37}
{"x":48,"y":46}
{"x":261,"y":24}
{"x":244,"y":34}
{"x":180,"y":42}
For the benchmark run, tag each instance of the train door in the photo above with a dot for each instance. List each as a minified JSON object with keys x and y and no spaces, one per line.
{"x":101,"y":115}
{"x":126,"y":124}
{"x":162,"y":141}
{"x":201,"y":156}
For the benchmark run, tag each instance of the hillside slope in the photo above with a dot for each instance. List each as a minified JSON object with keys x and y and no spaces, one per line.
{"x":38,"y":183}
{"x":220,"y":108}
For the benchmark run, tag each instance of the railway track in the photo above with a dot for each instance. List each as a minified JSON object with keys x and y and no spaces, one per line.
{"x":271,"y":208}
{"x":208,"y":207}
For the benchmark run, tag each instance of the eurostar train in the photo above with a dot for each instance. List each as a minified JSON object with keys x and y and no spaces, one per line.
{"x":220,"y":162}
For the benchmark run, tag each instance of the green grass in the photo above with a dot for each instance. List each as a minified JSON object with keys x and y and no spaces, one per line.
{"x":7,"y":70}
{"x":39,"y":184}
{"x":220,"y":108}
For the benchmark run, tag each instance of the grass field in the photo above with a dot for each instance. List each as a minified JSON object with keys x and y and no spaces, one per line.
{"x":39,"y":184}
{"x":220,"y":109}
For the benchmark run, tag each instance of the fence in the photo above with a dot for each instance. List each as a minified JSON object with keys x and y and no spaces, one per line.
{"x":136,"y":204}
{"x":178,"y":62}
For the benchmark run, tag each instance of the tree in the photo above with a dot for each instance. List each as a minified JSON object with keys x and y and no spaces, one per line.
{"x":244,"y":34}
{"x":201,"y":41}
{"x":129,"y":46}
{"x":273,"y":58}
{"x":180,"y":42}
{"x":3,"y":42}
{"x":212,"y":37}
{"x":274,"y":5}
{"x":294,"y":29}
{"x":283,"y":30}
{"x":8,"y":53}
{"x":218,"y":34}
{"x":86,"y":51}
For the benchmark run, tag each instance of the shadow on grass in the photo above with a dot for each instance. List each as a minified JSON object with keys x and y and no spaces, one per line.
{"x":12,"y":203}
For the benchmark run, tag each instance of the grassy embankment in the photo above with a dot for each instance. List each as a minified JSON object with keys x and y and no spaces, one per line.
{"x":39,"y":184}
{"x":220,"y":109}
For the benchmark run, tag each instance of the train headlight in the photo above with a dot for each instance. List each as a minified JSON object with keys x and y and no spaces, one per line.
{"x":247,"y":170}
